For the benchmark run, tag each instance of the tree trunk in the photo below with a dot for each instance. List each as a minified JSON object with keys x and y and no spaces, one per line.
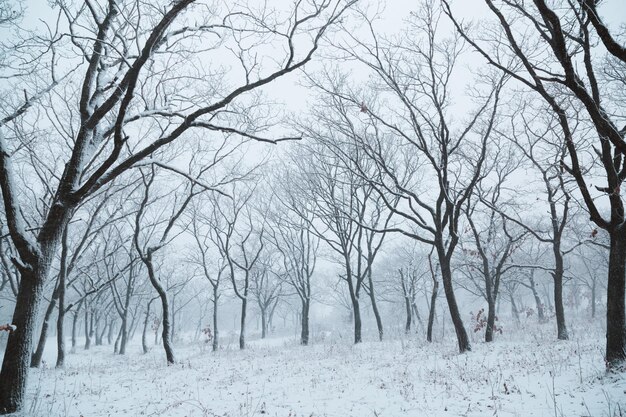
{"x":165,"y":308}
{"x":263,"y":323}
{"x":116,"y":345}
{"x":87,"y":332}
{"x":379,"y":322}
{"x":407,"y":326}
{"x":557,"y":276}
{"x":215,"y":331}
{"x":75,"y":325}
{"x":35,"y":361}
{"x":61,"y":322}
{"x":457,"y":321}
{"x":124,"y":334}
{"x":431,"y":313}
{"x":491,"y":321}
{"x":242,"y":331}
{"x":514,"y":309}
{"x":593,"y":299}
{"x":615,"y":315}
{"x":144,"y":333}
{"x":17,"y":354}
{"x":304,"y":334}
{"x":540,"y":313}
{"x":110,"y":332}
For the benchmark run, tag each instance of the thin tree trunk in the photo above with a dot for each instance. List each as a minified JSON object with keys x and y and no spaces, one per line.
{"x":165,"y":308}
{"x":407,"y":304}
{"x":242,"y":331}
{"x":144,"y":333}
{"x":75,"y":325}
{"x":35,"y":361}
{"x":87,"y":333}
{"x":540,"y":312}
{"x":372,"y":294}
{"x":514,"y":309}
{"x":593,"y":299}
{"x":110,"y":332}
{"x":491,"y":321}
{"x":557,"y":276}
{"x":431,"y":313}
{"x":215,"y":330}
{"x":61,"y":317}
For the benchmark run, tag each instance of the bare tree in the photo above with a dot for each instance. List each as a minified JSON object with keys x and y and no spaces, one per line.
{"x":267,"y":289}
{"x":117,"y":77}
{"x":427,"y":184}
{"x":564,"y":75}
{"x":298,"y":245}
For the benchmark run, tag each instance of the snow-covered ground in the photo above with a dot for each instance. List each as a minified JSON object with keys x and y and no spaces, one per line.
{"x":526,"y":375}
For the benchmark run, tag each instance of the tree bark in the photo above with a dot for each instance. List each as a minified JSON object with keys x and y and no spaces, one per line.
{"x":61,"y":319}
{"x":615,"y":315}
{"x":372,"y":294}
{"x":36,"y":357}
{"x":87,"y":332}
{"x":557,"y":276}
{"x":18,"y":351}
{"x":491,"y":321}
{"x":215,"y":330}
{"x":242,"y":330}
{"x":461,"y":334}
{"x":431,"y":313}
{"x":165,"y":307}
{"x":533,"y":287}
{"x":263,"y":323}
{"x":304,"y":333}
{"x":409,"y":314}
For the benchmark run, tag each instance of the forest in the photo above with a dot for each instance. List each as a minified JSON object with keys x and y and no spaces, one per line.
{"x":312,"y":208}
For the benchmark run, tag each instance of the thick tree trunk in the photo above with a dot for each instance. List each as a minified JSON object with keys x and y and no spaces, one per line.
{"x":457,"y":321}
{"x":615,"y":315}
{"x":242,"y":331}
{"x":17,"y":354}
{"x":304,"y":333}
{"x":431,"y":312}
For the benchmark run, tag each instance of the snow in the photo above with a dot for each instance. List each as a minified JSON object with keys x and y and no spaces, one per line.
{"x":525,"y":375}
